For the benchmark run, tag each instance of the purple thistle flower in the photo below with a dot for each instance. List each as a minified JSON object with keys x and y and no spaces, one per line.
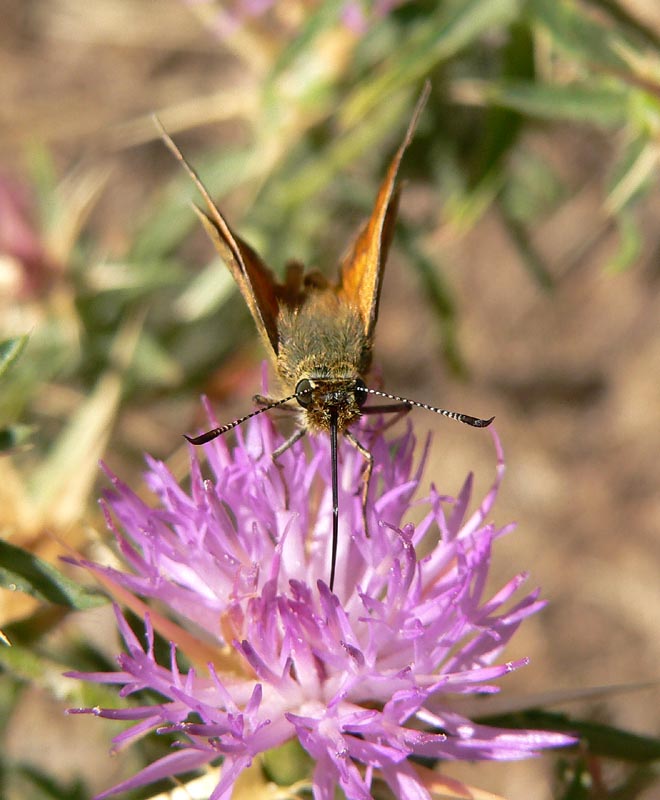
{"x":27,"y":268}
{"x":357,"y":14}
{"x":360,"y":677}
{"x":228,"y":17}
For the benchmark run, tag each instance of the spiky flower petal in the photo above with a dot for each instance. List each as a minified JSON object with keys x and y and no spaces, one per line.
{"x":360,"y":677}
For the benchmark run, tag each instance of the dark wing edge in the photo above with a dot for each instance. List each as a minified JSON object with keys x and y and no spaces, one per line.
{"x":255,"y":280}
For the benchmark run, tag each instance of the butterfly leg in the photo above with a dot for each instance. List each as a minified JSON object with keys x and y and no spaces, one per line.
{"x":295,"y":437}
{"x":398,"y":409}
{"x":366,"y":475}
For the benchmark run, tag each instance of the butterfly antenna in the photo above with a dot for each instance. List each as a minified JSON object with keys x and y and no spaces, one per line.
{"x":213,"y":434}
{"x":475,"y":422}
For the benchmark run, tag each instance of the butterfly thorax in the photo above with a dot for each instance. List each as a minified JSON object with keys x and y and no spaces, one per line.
{"x":323,"y":341}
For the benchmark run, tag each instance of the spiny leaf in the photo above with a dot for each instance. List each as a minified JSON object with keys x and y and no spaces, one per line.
{"x":10,"y":351}
{"x":443,"y":34}
{"x":580,"y":36}
{"x":599,"y":105}
{"x":22,"y":571}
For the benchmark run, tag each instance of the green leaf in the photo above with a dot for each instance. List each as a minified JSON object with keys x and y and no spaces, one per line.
{"x":60,"y":485}
{"x":153,"y":364}
{"x":438,"y":295}
{"x":314,"y":174}
{"x":629,"y":245}
{"x":633,"y":174}
{"x":22,"y":571}
{"x":533,"y":189}
{"x":529,"y":253}
{"x":10,"y":351}
{"x":14,"y":436}
{"x":27,"y":631}
{"x":502,"y":126}
{"x":28,"y":666}
{"x":455,"y":26}
{"x":173,"y":219}
{"x":205,"y":293}
{"x":626,"y":18}
{"x":577,"y":783}
{"x":288,"y":763}
{"x":316,"y":21}
{"x":43,"y":177}
{"x":50,"y":788}
{"x":582,"y":37}
{"x":598,"y":105}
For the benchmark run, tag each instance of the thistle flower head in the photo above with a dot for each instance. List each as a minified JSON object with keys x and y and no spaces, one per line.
{"x":360,"y":677}
{"x":27,"y":268}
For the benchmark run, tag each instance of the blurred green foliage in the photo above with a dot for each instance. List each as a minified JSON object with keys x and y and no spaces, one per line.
{"x":319,"y":132}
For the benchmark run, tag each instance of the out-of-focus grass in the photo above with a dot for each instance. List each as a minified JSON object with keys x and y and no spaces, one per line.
{"x":108,"y":337}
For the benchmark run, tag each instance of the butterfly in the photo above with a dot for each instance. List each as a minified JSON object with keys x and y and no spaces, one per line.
{"x":318,"y":333}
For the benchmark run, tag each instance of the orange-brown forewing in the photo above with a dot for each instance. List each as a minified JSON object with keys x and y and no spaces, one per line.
{"x":362,"y":268}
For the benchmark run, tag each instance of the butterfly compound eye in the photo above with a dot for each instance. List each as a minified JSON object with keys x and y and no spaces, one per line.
{"x":360,"y":392}
{"x":304,"y":392}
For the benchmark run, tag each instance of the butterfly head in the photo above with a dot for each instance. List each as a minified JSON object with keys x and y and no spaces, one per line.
{"x":323,"y":398}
